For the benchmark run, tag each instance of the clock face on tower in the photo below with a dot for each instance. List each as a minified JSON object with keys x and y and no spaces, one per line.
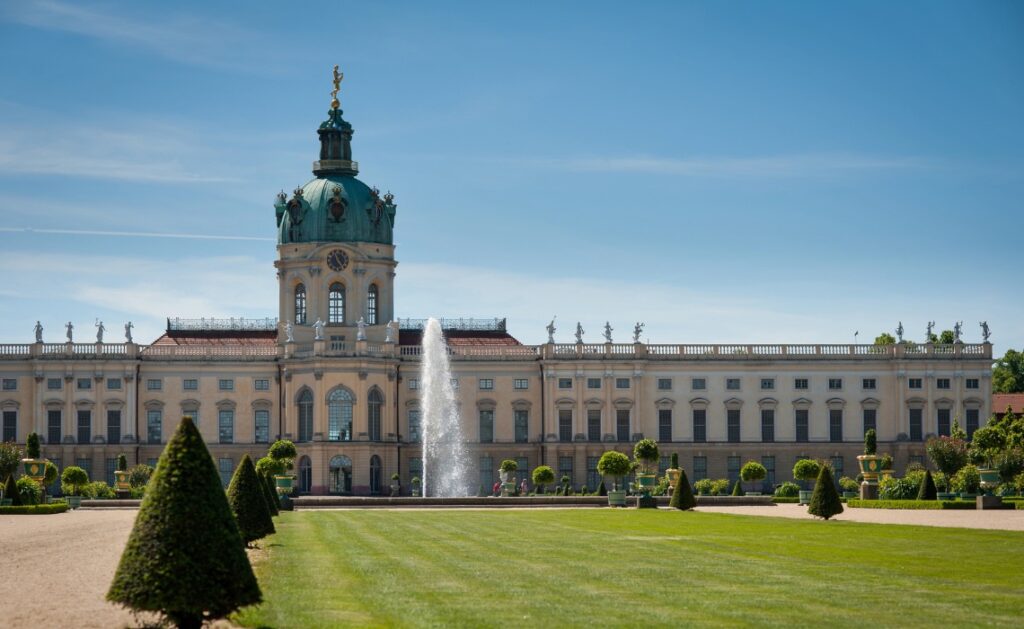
{"x":337,"y":260}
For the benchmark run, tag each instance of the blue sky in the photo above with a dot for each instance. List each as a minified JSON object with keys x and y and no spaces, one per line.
{"x":725,"y":172}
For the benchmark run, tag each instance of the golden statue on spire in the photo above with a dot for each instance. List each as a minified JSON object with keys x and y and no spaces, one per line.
{"x":338,"y":76}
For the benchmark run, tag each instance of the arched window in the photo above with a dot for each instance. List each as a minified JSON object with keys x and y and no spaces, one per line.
{"x":300,"y":304}
{"x":305,"y":475}
{"x":375,"y":475}
{"x":339,"y":415}
{"x":373,"y":403}
{"x":371,"y":305}
{"x":336,"y":304}
{"x":305,"y":403}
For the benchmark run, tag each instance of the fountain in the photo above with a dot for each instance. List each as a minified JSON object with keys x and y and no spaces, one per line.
{"x":444,"y":450}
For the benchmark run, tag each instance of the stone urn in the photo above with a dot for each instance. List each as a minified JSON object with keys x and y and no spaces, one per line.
{"x":645,"y":484}
{"x":989,"y":478}
{"x":617,"y":498}
{"x":508,"y":483}
{"x":121,"y":483}
{"x":34,"y":469}
{"x":673,"y":478}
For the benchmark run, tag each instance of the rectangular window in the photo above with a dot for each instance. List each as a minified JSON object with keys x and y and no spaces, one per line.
{"x":593,"y":476}
{"x":664,"y":384}
{"x":111,"y":465}
{"x":700,"y":468}
{"x":226,"y":384}
{"x":486,"y":384}
{"x":622,"y":424}
{"x":414,"y":425}
{"x":801,"y":384}
{"x":767,"y":425}
{"x":914,"y":383}
{"x":522,"y":425}
{"x":916,"y":428}
{"x":486,"y":474}
{"x":664,"y":424}
{"x":767,"y":384}
{"x":113,"y":384}
{"x":85,"y":464}
{"x":415,"y":469}
{"x":486,"y":426}
{"x":564,"y":469}
{"x":54,"y":419}
{"x":593,"y":383}
{"x":10,"y":427}
{"x":261,"y":384}
{"x":870,"y":420}
{"x":733,"y":424}
{"x":868,"y":384}
{"x":663,"y":462}
{"x":972,"y":421}
{"x":84,"y":427}
{"x":188,"y":384}
{"x":154,"y":384}
{"x":520,"y":384}
{"x":10,"y":384}
{"x":622,"y":383}
{"x":523,"y":469}
{"x":594,"y":424}
{"x":700,"y":425}
{"x":262,"y":431}
{"x":226,"y":467}
{"x":565,"y":383}
{"x":803,"y":429}
{"x":943,"y":422}
{"x":732,"y":384}
{"x":113,"y":426}
{"x":942,"y":383}
{"x":84,"y":384}
{"x":54,"y":384}
{"x":154,"y":426}
{"x":835,"y":384}
{"x":733,"y":469}
{"x":698,"y":384}
{"x":971,"y":383}
{"x":769,"y":464}
{"x":414,"y":384}
{"x":565,"y":424}
{"x":226,"y":426}
{"x":835,"y":424}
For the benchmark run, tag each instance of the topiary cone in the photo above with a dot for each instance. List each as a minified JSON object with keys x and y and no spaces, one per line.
{"x":185,"y":558}
{"x":825,"y":501}
{"x":682,"y":496}
{"x":270,"y":493}
{"x":245,"y":495}
{"x":737,"y":489}
{"x":11,"y":491}
{"x":927,"y":490}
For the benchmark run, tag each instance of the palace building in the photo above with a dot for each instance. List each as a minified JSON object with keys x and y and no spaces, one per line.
{"x":338,"y":374}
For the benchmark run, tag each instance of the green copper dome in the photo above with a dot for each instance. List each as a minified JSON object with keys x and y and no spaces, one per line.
{"x":335,"y":207}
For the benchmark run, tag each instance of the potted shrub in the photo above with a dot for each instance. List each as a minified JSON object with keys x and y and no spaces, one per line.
{"x":284,"y":452}
{"x":49,"y":478}
{"x":33,"y":465}
{"x":806,"y":470}
{"x":396,"y":487}
{"x":751,"y":472}
{"x":415,"y":483}
{"x":646,"y":454}
{"x":542,"y":475}
{"x":507,"y":471}
{"x":72,"y":481}
{"x":989,"y":442}
{"x":849,"y":487}
{"x":720,"y":487}
{"x":870,"y":465}
{"x":966,"y":482}
{"x":673,"y":472}
{"x":703,"y":486}
{"x":616,"y":465}
{"x":887,"y":462}
{"x":121,"y":481}
{"x":942,"y":486}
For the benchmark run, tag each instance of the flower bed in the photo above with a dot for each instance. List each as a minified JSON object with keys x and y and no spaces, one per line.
{"x":911,"y":504}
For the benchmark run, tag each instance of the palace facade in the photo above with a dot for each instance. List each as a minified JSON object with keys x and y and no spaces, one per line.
{"x":342,"y":382}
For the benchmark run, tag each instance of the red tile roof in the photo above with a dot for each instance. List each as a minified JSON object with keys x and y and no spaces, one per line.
{"x":218,"y":337}
{"x":1001,"y":400}
{"x":462,"y":338}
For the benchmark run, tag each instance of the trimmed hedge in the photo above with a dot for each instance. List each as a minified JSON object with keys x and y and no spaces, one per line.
{"x":785,"y":500}
{"x":246,"y":495}
{"x":57,"y":507}
{"x":912,"y":504}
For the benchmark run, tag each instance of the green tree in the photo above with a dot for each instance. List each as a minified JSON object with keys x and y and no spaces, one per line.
{"x":139,"y":475}
{"x":174,"y":566}
{"x":1008,"y":373}
{"x":825,"y":501}
{"x":885,"y":339}
{"x":542,"y":475}
{"x":283,"y":451}
{"x":737,"y":489}
{"x":32,"y":446}
{"x":11,"y":491}
{"x":122,"y":462}
{"x":947,"y":337}
{"x":682,"y":495}
{"x":10,"y":457}
{"x":73,"y":479}
{"x":927,"y":491}
{"x":752,"y":471}
{"x":614,"y":464}
{"x":948,"y":454}
{"x":248,"y":503}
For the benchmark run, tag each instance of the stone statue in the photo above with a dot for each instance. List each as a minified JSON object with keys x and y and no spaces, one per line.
{"x":607,"y":332}
{"x":579,"y":333}
{"x":551,"y":329}
{"x":128,"y":332}
{"x":289,"y":332}
{"x":70,"y":329}
{"x":318,"y":330}
{"x":899,"y":332}
{"x":361,"y":331}
{"x":637,"y":331}
{"x":338,"y":76}
{"x":100,"y":329}
{"x":985,"y":332}
{"x":957,"y":327}
{"x":928,"y":334}
{"x":39,"y":332}
{"x":389,"y":332}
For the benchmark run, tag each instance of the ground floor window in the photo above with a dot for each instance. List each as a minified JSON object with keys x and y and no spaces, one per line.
{"x":305,"y":475}
{"x":564,"y":468}
{"x":769,"y":464}
{"x":593,"y":476}
{"x":10,"y":428}
{"x":733,"y":467}
{"x":375,"y":475}
{"x":226,"y":467}
{"x":486,"y":475}
{"x":837,"y":468}
{"x":416,"y":470}
{"x":523,"y":470}
{"x":700,"y":468}
{"x":111,"y":467}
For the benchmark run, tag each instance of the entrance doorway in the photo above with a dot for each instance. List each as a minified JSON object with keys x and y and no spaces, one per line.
{"x":341,"y":475}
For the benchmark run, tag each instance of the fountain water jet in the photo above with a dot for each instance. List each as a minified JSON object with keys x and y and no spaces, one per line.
{"x":444,"y":449}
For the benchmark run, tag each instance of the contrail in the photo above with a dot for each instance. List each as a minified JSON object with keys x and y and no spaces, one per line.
{"x":95,"y":232}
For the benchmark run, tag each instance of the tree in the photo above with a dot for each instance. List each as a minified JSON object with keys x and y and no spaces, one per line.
{"x":737,"y":489}
{"x":32,"y":446}
{"x":947,"y":337}
{"x":10,"y":457}
{"x":122,"y":462}
{"x":11,"y":491}
{"x":885,"y":339}
{"x":927,"y":491}
{"x":825,"y":501}
{"x":73,"y":479}
{"x":614,"y":464}
{"x":646,"y":453}
{"x":807,"y":469}
{"x":542,"y":475}
{"x":682,"y":495}
{"x":283,"y":451}
{"x":870,"y":442}
{"x":248,"y":503}
{"x":753,"y":471}
{"x":948,"y":454}
{"x":139,"y":475}
{"x":1008,"y":373}
{"x":170,"y":565}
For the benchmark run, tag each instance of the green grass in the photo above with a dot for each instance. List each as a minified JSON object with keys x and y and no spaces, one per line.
{"x":576,"y":567}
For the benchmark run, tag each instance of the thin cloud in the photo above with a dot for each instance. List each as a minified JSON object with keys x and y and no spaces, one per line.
{"x":123,"y":234}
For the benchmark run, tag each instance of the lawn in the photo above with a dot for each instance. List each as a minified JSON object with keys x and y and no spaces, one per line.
{"x":559,"y":567}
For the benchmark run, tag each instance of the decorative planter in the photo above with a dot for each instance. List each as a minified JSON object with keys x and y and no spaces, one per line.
{"x":74,"y":502}
{"x":989,"y":478}
{"x":121,"y":481}
{"x":617,"y":498}
{"x":849,"y":494}
{"x":673,"y":476}
{"x":870,"y":466}
{"x":34,"y":469}
{"x":284,"y":484}
{"x":943,"y":495}
{"x":646,"y":483}
{"x":805,"y":497}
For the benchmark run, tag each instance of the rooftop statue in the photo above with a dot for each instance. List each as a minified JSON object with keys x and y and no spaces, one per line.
{"x":318,"y":330}
{"x":607,"y":332}
{"x":289,"y":332}
{"x":957,"y":327}
{"x":928,"y":334}
{"x":361,"y":331}
{"x":39,"y":332}
{"x":70,"y":329}
{"x":985,"y":332}
{"x":899,"y":332}
{"x":100,"y":329}
{"x":389,"y":332}
{"x":579,"y":333}
{"x":128,"y":332}
{"x":551,"y":329}
{"x":338,"y":77}
{"x":637,"y":331}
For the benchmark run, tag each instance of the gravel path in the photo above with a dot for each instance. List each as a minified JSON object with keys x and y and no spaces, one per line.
{"x":57,"y":568}
{"x":1001,"y":520}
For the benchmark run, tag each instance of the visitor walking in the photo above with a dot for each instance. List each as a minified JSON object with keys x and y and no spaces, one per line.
{"x":522,"y":488}
{"x":497,"y":488}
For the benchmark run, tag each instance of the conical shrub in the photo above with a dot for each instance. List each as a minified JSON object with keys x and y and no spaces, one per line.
{"x":825,"y":501}
{"x":11,"y":491}
{"x":927,"y":490}
{"x":737,"y":489}
{"x":270,"y":493}
{"x":185,"y":558}
{"x":602,"y":490}
{"x":248,"y":503}
{"x":682,"y":495}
